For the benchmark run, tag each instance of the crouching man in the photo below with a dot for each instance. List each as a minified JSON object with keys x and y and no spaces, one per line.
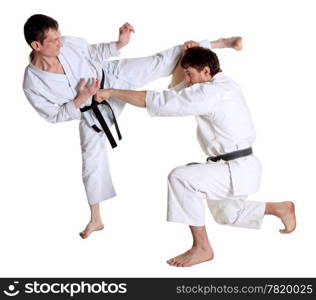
{"x":226,"y":133}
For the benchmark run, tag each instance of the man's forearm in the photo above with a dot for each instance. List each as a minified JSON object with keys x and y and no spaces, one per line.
{"x":136,"y":98}
{"x":119,"y":45}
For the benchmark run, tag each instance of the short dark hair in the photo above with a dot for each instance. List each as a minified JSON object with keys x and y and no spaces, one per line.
{"x":199,"y":57}
{"x":36,"y":27}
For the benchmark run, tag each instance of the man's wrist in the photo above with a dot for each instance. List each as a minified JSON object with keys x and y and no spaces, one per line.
{"x":120,"y":45}
{"x":80,"y":100}
{"x":110,"y":92}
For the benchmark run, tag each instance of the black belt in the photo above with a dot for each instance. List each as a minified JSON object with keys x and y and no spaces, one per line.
{"x":97,"y":113}
{"x":231,"y":155}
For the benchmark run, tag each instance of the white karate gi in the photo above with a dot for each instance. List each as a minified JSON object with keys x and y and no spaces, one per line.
{"x":52,"y":96}
{"x":224,"y":126}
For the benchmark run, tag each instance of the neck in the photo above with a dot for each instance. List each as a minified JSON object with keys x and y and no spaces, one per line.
{"x":44,"y":63}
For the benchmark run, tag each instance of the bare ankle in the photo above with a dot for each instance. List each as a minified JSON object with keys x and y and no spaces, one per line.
{"x":202,"y":245}
{"x":277,"y":208}
{"x":271,"y":209}
{"x":96,"y":221}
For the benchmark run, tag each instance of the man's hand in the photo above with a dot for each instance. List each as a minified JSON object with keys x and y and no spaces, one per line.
{"x":124,"y":35}
{"x":189,"y":44}
{"x":102,"y":95}
{"x":86,"y":90}
{"x":137,"y":98}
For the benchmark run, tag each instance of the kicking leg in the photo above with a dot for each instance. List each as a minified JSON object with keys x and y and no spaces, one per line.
{"x":201,"y":250}
{"x":177,"y":75}
{"x":285,"y":211}
{"x":233,"y":42}
{"x":133,"y":73}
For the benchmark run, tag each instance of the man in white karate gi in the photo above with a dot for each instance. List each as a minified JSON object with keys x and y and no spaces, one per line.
{"x":226,"y":133}
{"x":63,"y":75}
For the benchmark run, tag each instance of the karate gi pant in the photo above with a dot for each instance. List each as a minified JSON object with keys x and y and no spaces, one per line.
{"x":189,"y":185}
{"x":119,"y":74}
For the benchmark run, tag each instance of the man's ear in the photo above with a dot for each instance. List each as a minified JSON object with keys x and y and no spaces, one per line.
{"x":36,"y":45}
{"x":207,"y":70}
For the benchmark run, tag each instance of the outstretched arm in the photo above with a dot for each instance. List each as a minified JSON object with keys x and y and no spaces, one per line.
{"x":198,"y":99}
{"x":136,"y":98}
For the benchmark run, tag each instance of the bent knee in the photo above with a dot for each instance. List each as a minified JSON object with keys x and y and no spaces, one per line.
{"x":177,"y":172}
{"x":226,"y":216}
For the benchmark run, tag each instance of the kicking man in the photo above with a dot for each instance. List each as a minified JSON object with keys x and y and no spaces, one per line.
{"x":62,"y":78}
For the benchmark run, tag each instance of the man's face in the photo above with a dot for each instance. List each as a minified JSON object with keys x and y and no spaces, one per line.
{"x":51,"y":44}
{"x":192,"y":75}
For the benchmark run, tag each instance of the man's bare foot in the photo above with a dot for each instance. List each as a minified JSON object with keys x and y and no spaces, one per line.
{"x":286,"y":212}
{"x":90,"y":228}
{"x":194,"y":256}
{"x":234,"y":42}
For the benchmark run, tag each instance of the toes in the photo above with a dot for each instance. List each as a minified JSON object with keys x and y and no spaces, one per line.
{"x":84,"y":234}
{"x":177,"y":264}
{"x":284,"y":231}
{"x":173,"y":262}
{"x":89,"y":229}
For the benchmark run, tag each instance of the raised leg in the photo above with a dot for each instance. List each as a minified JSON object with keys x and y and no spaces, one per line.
{"x":134,"y":73}
{"x":233,"y":42}
{"x":177,"y":75}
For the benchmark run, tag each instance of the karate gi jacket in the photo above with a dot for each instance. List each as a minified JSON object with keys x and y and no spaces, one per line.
{"x":52,"y":94}
{"x":223,"y":120}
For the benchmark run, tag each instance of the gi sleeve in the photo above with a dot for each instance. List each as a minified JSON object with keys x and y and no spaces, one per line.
{"x":137,"y":72}
{"x":205,"y":44}
{"x":52,"y":112}
{"x":198,"y":99}
{"x":103,"y":51}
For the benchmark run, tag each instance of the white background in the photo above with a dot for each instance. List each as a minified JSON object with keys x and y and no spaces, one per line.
{"x":43,"y":204}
